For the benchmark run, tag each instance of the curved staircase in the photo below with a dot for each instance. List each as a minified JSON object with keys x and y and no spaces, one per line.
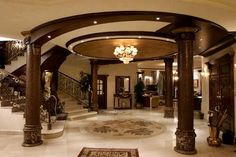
{"x":75,"y":111}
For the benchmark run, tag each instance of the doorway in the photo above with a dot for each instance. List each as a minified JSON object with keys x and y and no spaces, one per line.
{"x":102,"y":91}
{"x":221,"y":89}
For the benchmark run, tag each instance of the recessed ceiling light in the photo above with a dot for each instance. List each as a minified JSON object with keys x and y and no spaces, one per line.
{"x":81,"y":41}
{"x":49,"y":36}
{"x":139,"y":37}
{"x":107,"y":37}
{"x":95,"y":22}
{"x":158,"y":18}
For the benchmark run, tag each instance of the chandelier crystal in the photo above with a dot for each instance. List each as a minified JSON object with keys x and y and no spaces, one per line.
{"x":125,"y":53}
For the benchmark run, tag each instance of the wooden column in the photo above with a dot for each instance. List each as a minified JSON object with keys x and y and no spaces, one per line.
{"x":94,"y":71}
{"x":185,"y":134}
{"x":32,"y":128}
{"x":169,"y":110}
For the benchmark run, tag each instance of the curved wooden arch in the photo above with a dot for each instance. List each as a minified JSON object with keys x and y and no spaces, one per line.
{"x":47,"y":31}
{"x":119,"y":33}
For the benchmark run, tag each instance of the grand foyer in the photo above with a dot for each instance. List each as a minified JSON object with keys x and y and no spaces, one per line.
{"x":191,"y":35}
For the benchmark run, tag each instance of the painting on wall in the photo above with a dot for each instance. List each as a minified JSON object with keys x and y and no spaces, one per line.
{"x":195,"y":83}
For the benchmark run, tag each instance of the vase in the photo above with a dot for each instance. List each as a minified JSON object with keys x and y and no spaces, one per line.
{"x":213,"y":139}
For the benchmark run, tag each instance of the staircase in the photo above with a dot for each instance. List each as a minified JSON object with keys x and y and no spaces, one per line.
{"x":21,"y":59}
{"x":75,"y":111}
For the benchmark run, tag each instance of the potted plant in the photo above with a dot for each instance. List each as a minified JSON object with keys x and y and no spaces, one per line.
{"x":139,"y":91}
{"x":84,"y":83}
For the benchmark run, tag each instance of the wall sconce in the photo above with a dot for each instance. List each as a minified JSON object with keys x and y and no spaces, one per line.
{"x":205,"y":74}
{"x":175,"y":78}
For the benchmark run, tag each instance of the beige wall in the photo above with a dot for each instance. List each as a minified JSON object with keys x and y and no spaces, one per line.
{"x":118,"y":70}
{"x":205,"y":80}
{"x":197,"y":77}
{"x":73,"y":65}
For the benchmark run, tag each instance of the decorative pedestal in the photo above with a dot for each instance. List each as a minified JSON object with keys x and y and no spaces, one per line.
{"x":185,"y":142}
{"x":169,"y":112}
{"x":32,"y":136}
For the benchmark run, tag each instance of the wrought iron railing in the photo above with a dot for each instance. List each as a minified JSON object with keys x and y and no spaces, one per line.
{"x":10,"y":91}
{"x":71,"y":87}
{"x":12,"y":49}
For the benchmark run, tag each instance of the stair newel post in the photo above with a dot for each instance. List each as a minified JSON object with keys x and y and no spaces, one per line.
{"x":32,"y":127}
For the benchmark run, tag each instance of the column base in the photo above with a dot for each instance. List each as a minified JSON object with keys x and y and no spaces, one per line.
{"x":94,"y":108}
{"x":169,"y":112}
{"x":32,"y":135}
{"x":185,"y":141}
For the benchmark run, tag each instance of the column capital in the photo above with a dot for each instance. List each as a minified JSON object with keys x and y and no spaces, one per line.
{"x":185,"y":33}
{"x":169,"y":60}
{"x":27,"y":40}
{"x":186,"y":29}
{"x":93,"y":61}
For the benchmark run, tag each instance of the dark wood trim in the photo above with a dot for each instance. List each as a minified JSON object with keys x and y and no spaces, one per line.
{"x":224,"y":43}
{"x":121,"y":33}
{"x":169,"y":110}
{"x":58,"y":27}
{"x":105,"y":88}
{"x":94,"y":74}
{"x":216,"y":74}
{"x":102,"y":61}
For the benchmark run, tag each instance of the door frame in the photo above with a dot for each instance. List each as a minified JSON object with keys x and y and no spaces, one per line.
{"x":103,"y":77}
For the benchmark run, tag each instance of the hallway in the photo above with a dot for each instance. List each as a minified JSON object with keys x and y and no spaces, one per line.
{"x":76,"y":137}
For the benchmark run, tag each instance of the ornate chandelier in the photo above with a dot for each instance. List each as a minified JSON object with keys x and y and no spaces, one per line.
{"x":125,"y":53}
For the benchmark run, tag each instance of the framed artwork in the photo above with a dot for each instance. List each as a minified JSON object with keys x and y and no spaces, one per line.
{"x":195,"y":83}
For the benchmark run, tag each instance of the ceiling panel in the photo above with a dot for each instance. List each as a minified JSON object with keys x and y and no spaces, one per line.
{"x":147,"y":48}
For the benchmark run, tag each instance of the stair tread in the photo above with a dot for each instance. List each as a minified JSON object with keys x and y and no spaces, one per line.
{"x":78,"y":110}
{"x":73,"y":108}
{"x":89,"y":113}
{"x":82,"y":116}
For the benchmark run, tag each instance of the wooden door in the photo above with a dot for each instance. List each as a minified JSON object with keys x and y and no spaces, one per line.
{"x":222,"y":88}
{"x":102,"y":91}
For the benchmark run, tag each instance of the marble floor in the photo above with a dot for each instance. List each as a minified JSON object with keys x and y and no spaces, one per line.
{"x":75,"y":137}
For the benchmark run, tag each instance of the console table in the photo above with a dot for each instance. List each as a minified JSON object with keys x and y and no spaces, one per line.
{"x":122,"y":101}
{"x":151,"y":101}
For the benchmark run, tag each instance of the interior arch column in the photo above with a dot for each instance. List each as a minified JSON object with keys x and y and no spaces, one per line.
{"x":32,"y":128}
{"x":185,"y":134}
{"x":94,"y":73}
{"x":169,"y":110}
